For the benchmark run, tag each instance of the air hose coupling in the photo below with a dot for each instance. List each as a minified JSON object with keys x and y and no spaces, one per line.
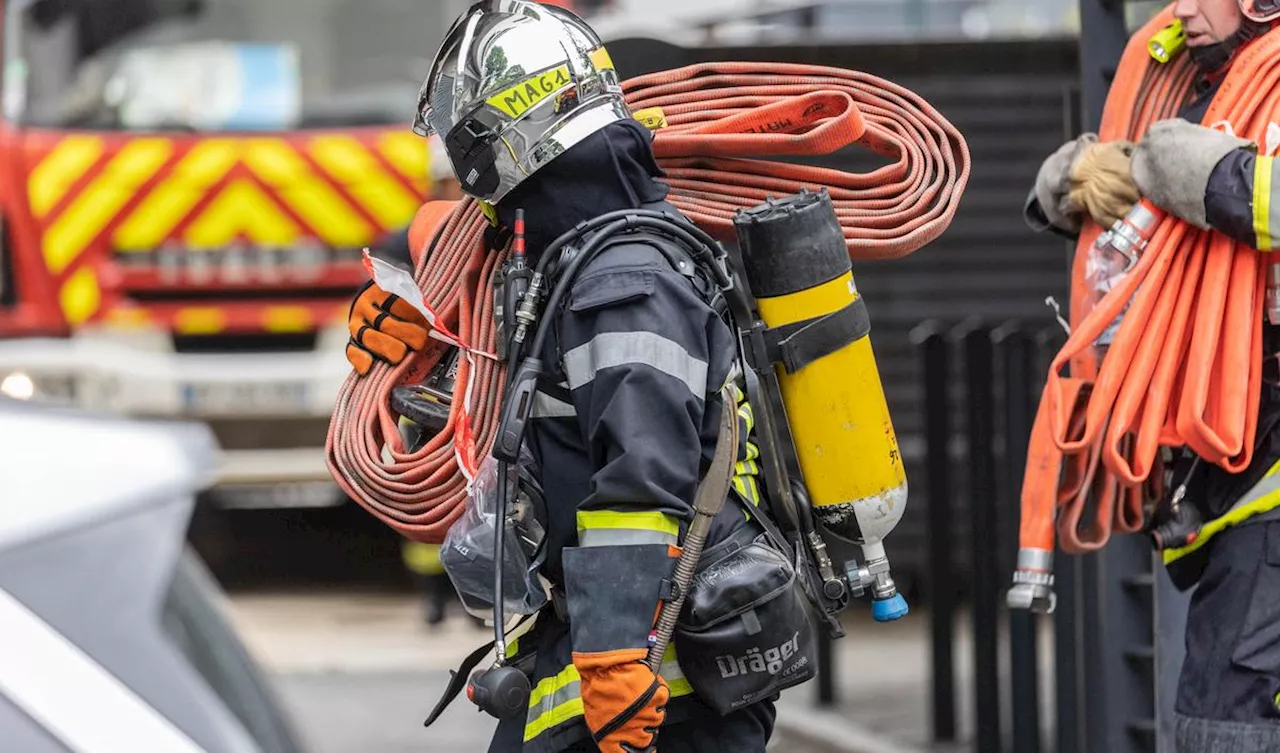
{"x":1033,"y":582}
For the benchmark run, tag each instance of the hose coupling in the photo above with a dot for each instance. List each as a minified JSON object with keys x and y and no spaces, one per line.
{"x":1033,"y":582}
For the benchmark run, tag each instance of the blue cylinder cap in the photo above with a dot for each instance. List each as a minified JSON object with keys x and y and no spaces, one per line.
{"x":887,"y":610}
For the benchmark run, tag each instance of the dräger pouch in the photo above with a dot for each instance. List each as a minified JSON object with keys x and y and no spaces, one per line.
{"x":745,"y":632}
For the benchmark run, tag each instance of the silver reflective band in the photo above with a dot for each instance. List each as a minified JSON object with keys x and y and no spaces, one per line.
{"x":610,"y":349}
{"x":624,"y":537}
{"x":545,"y":406}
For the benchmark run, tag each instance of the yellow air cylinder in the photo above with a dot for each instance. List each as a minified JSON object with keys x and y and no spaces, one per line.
{"x":799,"y":271}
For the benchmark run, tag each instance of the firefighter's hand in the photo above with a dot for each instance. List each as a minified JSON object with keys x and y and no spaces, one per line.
{"x":383,"y":328}
{"x":1086,"y":177}
{"x":1102,"y":183}
{"x":623,"y":702}
{"x":1172,"y":164}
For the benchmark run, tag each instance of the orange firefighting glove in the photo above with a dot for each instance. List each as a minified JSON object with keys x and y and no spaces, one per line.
{"x":383,"y":327}
{"x":624,"y":703}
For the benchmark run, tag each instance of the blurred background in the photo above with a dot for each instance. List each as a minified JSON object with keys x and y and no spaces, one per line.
{"x":185,"y":189}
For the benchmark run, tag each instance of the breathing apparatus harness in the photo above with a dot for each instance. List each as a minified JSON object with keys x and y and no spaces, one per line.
{"x":526,"y":295}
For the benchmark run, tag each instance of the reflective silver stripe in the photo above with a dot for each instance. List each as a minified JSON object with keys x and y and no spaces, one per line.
{"x":1265,"y":486}
{"x":609,"y":349}
{"x":558,"y":697}
{"x":545,"y":406}
{"x":624,"y":537}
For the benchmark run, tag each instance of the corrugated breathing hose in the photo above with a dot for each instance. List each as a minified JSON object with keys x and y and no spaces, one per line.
{"x":720,"y":119}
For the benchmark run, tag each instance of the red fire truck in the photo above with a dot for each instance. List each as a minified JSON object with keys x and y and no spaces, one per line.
{"x":185,"y":189}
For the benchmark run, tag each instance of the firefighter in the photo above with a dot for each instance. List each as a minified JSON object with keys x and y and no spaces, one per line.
{"x":1229,"y":689}
{"x":622,"y":435}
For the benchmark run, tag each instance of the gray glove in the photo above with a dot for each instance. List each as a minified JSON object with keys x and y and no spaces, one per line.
{"x":1172,"y":164}
{"x":1053,"y":184}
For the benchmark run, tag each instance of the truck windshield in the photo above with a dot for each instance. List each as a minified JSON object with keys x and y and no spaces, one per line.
{"x":212,"y":65}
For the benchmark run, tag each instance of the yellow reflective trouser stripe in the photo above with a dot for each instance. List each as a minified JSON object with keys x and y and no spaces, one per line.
{"x":557,"y":699}
{"x":621,"y":528}
{"x":554,"y":700}
{"x":1264,"y":213}
{"x":1263,"y":497}
{"x":423,"y":559}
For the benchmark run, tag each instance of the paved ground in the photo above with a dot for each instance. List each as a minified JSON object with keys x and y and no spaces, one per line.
{"x":360,"y":673}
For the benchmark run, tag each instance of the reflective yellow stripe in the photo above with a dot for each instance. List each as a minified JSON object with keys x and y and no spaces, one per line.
{"x":1263,"y":497}
{"x":423,"y":559}
{"x":557,"y":699}
{"x":617,"y":520}
{"x":1262,"y":174}
{"x":553,"y":701}
{"x":80,"y":296}
{"x":520,"y":98}
{"x":287,"y":319}
{"x":409,"y":154}
{"x":63,"y":166}
{"x":355,"y":168}
{"x":199,"y":321}
{"x":241,"y":208}
{"x":165,"y":206}
{"x":109,"y":191}
{"x":315,"y":201}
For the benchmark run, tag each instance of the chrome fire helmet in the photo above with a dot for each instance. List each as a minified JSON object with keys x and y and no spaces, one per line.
{"x":514,"y":85}
{"x":1261,"y":11}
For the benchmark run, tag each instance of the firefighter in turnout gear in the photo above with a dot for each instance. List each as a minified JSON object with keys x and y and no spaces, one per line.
{"x":1229,"y":689}
{"x":622,"y":430}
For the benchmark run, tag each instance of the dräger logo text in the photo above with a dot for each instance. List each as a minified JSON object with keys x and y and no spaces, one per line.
{"x":755,"y":660}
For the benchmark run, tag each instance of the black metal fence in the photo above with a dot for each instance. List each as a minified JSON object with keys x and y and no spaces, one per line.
{"x":981,"y":385}
{"x":994,"y":373}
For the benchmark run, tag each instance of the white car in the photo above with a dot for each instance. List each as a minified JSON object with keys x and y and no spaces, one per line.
{"x":114,"y":636}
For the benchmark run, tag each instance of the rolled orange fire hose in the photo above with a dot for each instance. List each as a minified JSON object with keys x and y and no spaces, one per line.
{"x":1185,"y":366}
{"x":720,"y":118}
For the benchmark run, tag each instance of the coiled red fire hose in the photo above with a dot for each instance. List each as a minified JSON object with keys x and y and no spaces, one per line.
{"x":720,"y":119}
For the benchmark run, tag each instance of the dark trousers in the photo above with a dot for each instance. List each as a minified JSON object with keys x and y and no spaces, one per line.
{"x":1229,"y":689}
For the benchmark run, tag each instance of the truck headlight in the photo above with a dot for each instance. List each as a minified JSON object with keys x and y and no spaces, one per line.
{"x":52,"y":388}
{"x":18,"y":386}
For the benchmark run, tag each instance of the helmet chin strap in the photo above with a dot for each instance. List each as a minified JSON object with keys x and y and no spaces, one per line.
{"x":1213,"y":58}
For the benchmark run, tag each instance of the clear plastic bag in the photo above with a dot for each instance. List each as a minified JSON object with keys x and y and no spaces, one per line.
{"x":467,"y":554}
{"x":1105,"y":268}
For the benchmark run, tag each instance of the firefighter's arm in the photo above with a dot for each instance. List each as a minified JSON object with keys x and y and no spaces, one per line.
{"x":1207,"y":177}
{"x":1242,"y":199}
{"x":635,"y":355}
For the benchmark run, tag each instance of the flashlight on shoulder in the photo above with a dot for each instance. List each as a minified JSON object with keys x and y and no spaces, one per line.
{"x":1165,"y":44}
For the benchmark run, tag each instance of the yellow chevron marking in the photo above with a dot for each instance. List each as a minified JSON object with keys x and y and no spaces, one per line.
{"x":287,"y":319}
{"x":360,"y":174}
{"x":199,"y":321}
{"x":102,"y":199}
{"x":308,"y":194}
{"x":241,"y":209}
{"x":408,"y":153}
{"x":63,"y":166}
{"x":166,"y":205}
{"x":80,"y":296}
{"x":127,"y":318}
